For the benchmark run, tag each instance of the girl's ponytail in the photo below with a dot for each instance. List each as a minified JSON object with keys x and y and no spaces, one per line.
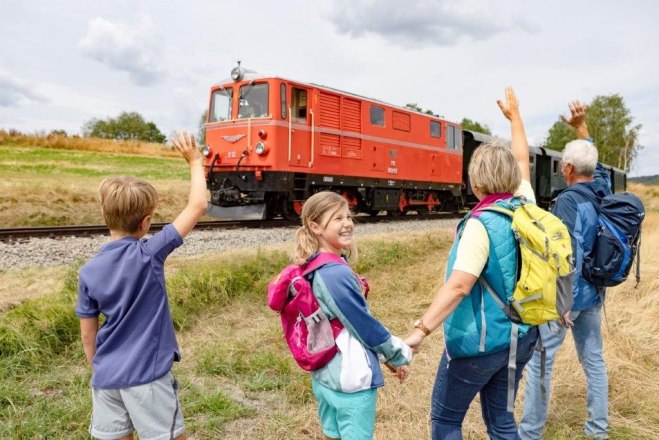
{"x":306,"y":244}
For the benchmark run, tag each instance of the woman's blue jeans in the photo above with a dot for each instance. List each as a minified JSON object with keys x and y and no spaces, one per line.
{"x":459,"y":380}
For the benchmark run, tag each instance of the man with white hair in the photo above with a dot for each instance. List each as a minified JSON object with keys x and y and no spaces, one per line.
{"x":579,"y":168}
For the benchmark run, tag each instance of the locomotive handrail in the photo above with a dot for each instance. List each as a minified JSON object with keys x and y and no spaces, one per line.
{"x":249,"y":134}
{"x":313,"y":131}
{"x":290,"y":129}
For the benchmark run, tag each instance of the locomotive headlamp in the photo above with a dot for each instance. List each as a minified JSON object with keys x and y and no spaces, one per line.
{"x":237,"y":73}
{"x":205,"y":151}
{"x":260,"y":148}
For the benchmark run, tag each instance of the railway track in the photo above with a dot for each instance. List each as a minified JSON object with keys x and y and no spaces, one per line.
{"x":23,"y":233}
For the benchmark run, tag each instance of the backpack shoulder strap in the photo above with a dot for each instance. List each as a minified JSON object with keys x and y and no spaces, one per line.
{"x":593,"y":198}
{"x":500,"y":209}
{"x":322,"y":259}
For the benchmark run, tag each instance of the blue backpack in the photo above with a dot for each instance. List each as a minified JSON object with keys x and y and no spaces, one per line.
{"x":618,"y":238}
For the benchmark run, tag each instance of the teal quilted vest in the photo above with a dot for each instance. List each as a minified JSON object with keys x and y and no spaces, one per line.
{"x":478,"y":326}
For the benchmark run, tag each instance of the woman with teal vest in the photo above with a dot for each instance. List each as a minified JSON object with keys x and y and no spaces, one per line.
{"x":476,"y":331}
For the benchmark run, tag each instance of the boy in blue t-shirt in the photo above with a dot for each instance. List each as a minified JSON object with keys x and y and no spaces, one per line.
{"x":132,"y":354}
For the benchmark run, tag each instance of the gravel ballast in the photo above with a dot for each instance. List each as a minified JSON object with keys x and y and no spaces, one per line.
{"x":42,"y":252}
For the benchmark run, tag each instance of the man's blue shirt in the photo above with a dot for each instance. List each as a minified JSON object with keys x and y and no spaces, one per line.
{"x":125,"y":282}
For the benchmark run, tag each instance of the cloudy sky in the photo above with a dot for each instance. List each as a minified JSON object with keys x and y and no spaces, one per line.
{"x":63,"y":62}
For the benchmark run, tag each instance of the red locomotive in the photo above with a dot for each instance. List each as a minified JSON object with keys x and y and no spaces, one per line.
{"x":273,"y":142}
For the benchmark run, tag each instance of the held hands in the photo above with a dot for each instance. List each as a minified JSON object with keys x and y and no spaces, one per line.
{"x":414,"y":340}
{"x":511,"y":108}
{"x":185,"y":143}
{"x":402,"y":373}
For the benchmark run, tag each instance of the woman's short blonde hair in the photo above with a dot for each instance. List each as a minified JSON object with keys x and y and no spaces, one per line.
{"x":493,"y":169}
{"x":126,"y":201}
{"x":315,"y":209}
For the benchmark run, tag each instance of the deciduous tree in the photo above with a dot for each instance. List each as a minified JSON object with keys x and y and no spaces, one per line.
{"x":201,"y":136}
{"x":612,"y":128}
{"x":468,"y":124}
{"x":127,"y":126}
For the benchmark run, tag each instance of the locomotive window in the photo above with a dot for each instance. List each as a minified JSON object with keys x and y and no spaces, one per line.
{"x":377,"y":116}
{"x":458,"y":138}
{"x":221,"y":105}
{"x":299,"y":104}
{"x":450,"y":136}
{"x":435,"y":129}
{"x":282,"y":94}
{"x":555,"y":165}
{"x":253,"y":101}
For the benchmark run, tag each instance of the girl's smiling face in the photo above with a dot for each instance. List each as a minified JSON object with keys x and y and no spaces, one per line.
{"x":335,"y":230}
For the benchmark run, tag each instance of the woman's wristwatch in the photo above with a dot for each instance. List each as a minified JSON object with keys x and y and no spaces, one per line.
{"x":421,"y":326}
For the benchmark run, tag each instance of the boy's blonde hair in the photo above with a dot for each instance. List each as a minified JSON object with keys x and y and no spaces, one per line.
{"x":493,"y":169}
{"x":317,"y":208}
{"x":125,"y":201}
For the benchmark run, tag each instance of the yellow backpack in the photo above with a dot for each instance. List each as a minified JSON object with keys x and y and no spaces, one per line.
{"x":543,"y":292}
{"x":544,"y":289}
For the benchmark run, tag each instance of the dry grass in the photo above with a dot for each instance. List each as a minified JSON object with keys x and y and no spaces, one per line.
{"x":61,"y":142}
{"x":631,"y":347}
{"x":19,"y":285}
{"x":59,"y":200}
{"x":225,"y":349}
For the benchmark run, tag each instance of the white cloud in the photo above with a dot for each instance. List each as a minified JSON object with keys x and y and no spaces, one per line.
{"x":424,"y":22}
{"x":131,"y":47}
{"x":14,"y":91}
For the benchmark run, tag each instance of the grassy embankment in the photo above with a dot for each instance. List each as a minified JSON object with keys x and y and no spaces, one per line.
{"x":53,"y":180}
{"x":237,"y":376}
{"x":240,"y":382}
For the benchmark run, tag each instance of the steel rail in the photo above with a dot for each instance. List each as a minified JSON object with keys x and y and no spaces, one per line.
{"x":23,"y":233}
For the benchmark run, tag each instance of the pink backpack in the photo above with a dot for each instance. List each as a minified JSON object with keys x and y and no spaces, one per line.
{"x":308,"y":332}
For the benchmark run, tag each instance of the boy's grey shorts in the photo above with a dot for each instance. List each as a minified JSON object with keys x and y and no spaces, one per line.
{"x":151,"y":409}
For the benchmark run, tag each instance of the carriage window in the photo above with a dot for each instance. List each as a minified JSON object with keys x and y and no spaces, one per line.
{"x":377,"y":116}
{"x":253,"y":101}
{"x":435,"y":129}
{"x":221,"y":105}
{"x":282,"y":94}
{"x":299,"y":104}
{"x":531,"y":162}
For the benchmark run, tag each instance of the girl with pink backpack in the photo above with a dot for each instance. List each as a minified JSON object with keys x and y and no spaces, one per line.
{"x":346,"y":385}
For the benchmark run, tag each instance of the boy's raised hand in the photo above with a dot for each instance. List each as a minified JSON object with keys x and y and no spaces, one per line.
{"x":185,"y":143}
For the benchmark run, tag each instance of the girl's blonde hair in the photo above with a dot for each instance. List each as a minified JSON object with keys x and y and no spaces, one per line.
{"x":493,"y":169}
{"x":321,"y":206}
